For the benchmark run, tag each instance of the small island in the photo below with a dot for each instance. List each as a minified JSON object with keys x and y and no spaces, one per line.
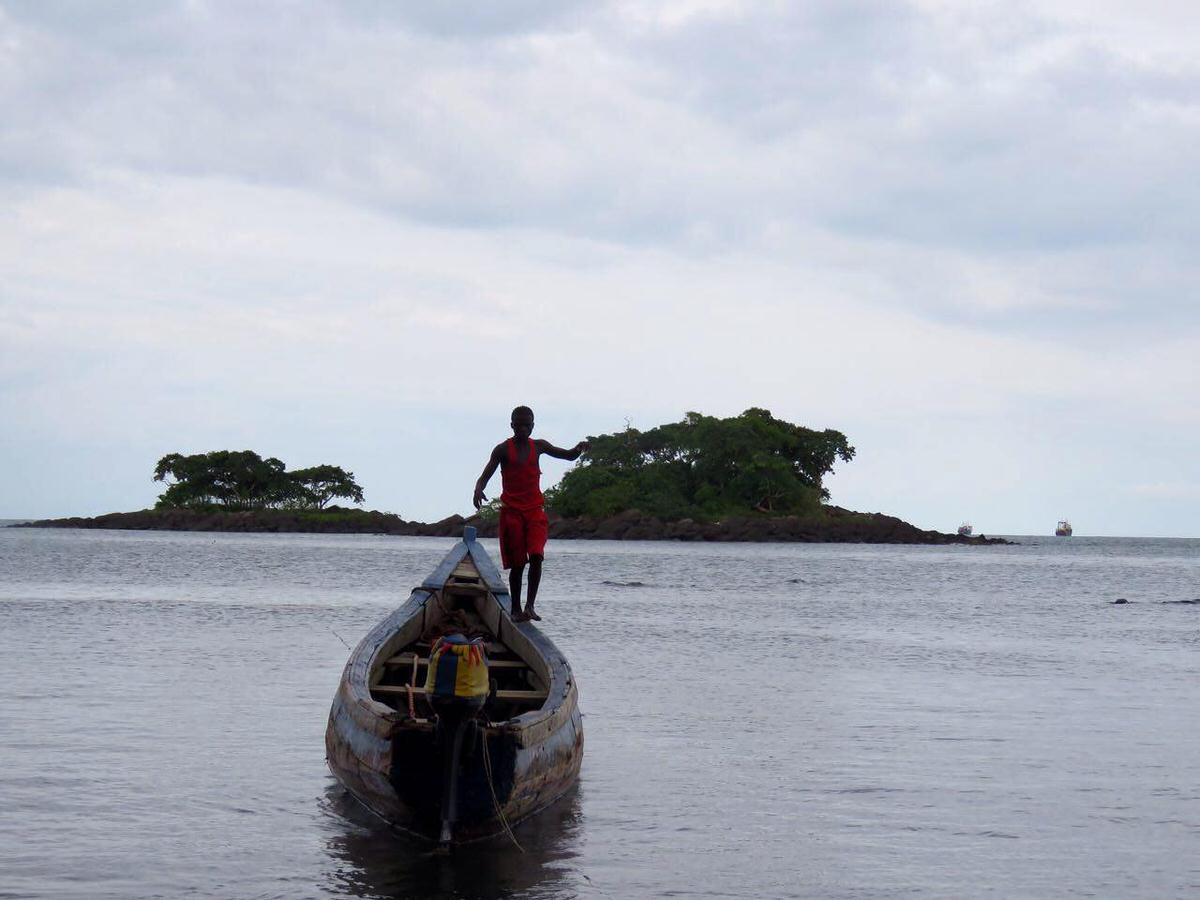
{"x":744,"y":478}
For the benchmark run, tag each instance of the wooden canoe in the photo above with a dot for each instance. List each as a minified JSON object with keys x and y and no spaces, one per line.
{"x":382,"y":742}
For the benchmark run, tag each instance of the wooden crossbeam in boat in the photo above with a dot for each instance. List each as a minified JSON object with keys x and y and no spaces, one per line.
{"x":490,"y":646}
{"x":466,"y":570}
{"x":406,"y":659}
{"x":461,"y":587}
{"x":424,"y":724}
{"x":420,"y":690}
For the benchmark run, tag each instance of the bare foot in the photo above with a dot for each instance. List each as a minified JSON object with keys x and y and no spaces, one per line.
{"x":530,"y":614}
{"x":519,"y":616}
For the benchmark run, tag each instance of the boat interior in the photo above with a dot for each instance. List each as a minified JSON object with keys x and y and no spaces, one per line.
{"x":517,"y":673}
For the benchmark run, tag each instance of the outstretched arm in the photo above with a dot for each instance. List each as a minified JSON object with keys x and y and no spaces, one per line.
{"x":558,"y":452}
{"x":488,"y":471}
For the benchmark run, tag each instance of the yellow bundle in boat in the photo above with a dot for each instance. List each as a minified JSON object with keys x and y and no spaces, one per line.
{"x":457,"y":668}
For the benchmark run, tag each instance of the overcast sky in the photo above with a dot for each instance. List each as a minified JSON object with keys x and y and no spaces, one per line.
{"x":360,"y":232}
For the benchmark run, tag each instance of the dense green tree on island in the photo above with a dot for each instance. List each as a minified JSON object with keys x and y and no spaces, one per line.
{"x":243,"y":480}
{"x":703,"y":467}
{"x":321,"y":484}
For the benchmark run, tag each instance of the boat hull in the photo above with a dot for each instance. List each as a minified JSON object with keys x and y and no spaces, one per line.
{"x":393,"y":763}
{"x":398,"y":775}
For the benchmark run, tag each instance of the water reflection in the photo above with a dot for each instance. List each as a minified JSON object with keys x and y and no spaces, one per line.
{"x":368,"y":859}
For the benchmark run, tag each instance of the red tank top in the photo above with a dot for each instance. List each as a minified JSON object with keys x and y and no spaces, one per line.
{"x":521,"y":479}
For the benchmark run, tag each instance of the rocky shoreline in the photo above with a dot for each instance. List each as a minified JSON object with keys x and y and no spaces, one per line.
{"x":833,"y":525}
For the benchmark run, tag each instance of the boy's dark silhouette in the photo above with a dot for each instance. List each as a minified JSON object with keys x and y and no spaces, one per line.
{"x":522,"y":519}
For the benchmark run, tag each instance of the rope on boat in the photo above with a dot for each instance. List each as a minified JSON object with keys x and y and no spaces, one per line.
{"x":440,"y":597}
{"x":432,"y":593}
{"x":412,"y":710}
{"x":487,"y":768}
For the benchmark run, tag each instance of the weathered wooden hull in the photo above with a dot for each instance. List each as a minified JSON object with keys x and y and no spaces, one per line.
{"x":392,"y":762}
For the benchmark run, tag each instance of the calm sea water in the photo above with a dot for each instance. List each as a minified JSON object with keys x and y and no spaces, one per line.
{"x":823,"y":721}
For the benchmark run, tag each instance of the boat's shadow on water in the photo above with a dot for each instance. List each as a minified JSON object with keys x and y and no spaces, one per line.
{"x":369,"y":859}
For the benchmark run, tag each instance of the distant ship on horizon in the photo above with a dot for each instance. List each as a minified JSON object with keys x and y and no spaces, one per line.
{"x":1063,"y":529}
{"x":966,"y":529}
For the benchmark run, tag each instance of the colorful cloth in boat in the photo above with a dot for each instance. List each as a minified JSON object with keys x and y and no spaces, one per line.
{"x":522,"y":534}
{"x":457,"y":668}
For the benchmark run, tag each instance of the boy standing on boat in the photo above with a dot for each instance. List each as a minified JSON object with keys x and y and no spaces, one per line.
{"x":523,"y":521}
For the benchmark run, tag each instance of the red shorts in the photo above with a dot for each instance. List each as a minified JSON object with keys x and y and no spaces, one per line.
{"x":522,"y":534}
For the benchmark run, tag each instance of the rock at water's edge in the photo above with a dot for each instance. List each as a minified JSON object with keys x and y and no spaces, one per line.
{"x":833,"y":525}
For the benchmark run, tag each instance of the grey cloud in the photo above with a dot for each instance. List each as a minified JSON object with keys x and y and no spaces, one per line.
{"x":466,"y":19}
{"x":785,"y":69}
{"x":998,"y":136}
{"x":947,"y":132}
{"x":116,"y":19}
{"x":121,"y":22}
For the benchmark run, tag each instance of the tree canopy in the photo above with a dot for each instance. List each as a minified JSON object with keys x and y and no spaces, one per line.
{"x":241,"y":479}
{"x":320,"y":484}
{"x":703,"y":467}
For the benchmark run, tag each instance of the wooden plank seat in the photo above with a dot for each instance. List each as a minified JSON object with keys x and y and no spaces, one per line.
{"x":406,"y":659}
{"x":466,"y":569}
{"x":464,"y":587}
{"x":491,"y":647}
{"x":419,"y":690}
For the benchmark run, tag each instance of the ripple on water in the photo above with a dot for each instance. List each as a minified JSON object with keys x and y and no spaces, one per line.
{"x":762,"y":720}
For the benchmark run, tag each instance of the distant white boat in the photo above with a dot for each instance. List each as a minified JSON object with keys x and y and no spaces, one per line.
{"x":1063,"y":529}
{"x":966,"y":529}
